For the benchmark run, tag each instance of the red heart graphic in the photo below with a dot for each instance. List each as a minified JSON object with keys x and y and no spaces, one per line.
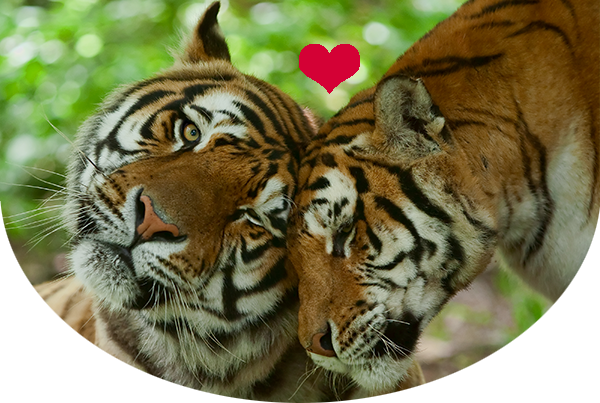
{"x":329,"y":69}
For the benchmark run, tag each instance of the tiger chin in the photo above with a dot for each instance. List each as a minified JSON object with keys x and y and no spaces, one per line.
{"x":482,"y":140}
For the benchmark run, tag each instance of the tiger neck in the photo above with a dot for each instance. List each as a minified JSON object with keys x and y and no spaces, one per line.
{"x":481,"y":80}
{"x":233,"y":365}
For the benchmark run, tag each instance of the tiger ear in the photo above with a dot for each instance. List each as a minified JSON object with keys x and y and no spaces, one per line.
{"x":406,"y":121}
{"x":208,"y":42}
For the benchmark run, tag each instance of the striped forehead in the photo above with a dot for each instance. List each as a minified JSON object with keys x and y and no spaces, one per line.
{"x":332,"y":202}
{"x":149,"y":120}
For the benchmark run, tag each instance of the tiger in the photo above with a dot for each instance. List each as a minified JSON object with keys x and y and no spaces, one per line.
{"x":178,"y":195}
{"x":480,"y":142}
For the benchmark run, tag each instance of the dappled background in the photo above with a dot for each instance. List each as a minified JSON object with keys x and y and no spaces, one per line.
{"x":58,"y":59}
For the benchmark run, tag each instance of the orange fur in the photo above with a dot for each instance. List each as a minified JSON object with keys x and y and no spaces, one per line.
{"x":482,"y":138}
{"x":178,"y":236}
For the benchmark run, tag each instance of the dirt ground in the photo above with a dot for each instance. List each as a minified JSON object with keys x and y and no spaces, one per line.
{"x":468,"y":367}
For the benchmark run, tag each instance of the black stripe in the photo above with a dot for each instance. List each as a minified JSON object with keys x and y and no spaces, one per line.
{"x":543,"y":26}
{"x":595,"y":167}
{"x":130,"y":90}
{"x":418,"y":198}
{"x":283,"y":107}
{"x":191,"y":92}
{"x":176,"y":76}
{"x":455,"y":251}
{"x":230,"y":293}
{"x":255,"y":328}
{"x":338,"y":206}
{"x":251,"y":117}
{"x":455,"y":256}
{"x":208,"y":115}
{"x":145,"y":100}
{"x":374,"y":240}
{"x":491,"y":115}
{"x":354,"y":122}
{"x":545,"y":204}
{"x":493,"y":24}
{"x":354,"y":104}
{"x":404,"y":333}
{"x":269,"y":114}
{"x":503,"y":4}
{"x":321,"y":183}
{"x":429,"y":67}
{"x":274,"y":154}
{"x":362,"y":184}
{"x":277,"y":274}
{"x":591,"y":265}
{"x":568,"y":5}
{"x":175,"y":106}
{"x":328,"y":160}
{"x":249,"y":255}
{"x":488,"y":233}
{"x":398,"y":215}
{"x":400,"y":256}
{"x":108,"y":203}
{"x":339,"y":140}
{"x":278,"y":223}
{"x":146,"y":130}
{"x":234,"y":118}
{"x":455,"y":124}
{"x":320,"y":201}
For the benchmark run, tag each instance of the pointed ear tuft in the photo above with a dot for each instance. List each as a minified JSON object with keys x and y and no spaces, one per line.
{"x":208,"y":42}
{"x":406,"y":120}
{"x":314,"y":120}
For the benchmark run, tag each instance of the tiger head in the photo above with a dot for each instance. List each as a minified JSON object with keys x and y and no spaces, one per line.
{"x":389,"y":225}
{"x":179,"y":192}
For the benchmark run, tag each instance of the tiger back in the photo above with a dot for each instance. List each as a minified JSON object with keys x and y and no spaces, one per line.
{"x":481,"y":139}
{"x":178,"y":195}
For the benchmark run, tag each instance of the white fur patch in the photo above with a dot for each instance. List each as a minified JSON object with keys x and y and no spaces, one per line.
{"x":321,"y":219}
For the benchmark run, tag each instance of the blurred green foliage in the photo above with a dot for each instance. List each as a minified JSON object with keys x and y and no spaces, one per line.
{"x":58,"y":59}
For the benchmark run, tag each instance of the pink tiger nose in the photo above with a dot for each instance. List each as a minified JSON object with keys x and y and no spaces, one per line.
{"x":152,"y":224}
{"x":322,"y":345}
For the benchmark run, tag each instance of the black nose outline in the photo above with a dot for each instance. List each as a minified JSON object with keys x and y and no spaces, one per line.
{"x":322,"y":344}
{"x":158,"y":236}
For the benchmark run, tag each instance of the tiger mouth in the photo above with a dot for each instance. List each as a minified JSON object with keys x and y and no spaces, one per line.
{"x":150,"y":293}
{"x":399,"y":338}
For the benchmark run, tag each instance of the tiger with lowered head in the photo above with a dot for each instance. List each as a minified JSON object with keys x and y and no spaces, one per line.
{"x":481,"y":139}
{"x":178,"y":197}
